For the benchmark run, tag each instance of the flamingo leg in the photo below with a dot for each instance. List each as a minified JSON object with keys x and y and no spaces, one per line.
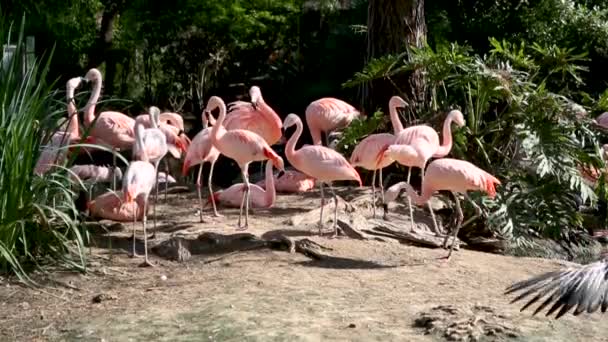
{"x":409,"y":200}
{"x":134,"y":219}
{"x":246,"y":198}
{"x":198,"y":190}
{"x":166,"y":177}
{"x":242,"y":199}
{"x":156,"y":196}
{"x":435,"y":225}
{"x":381,"y":186}
{"x":114,"y":165}
{"x":478,"y":211}
{"x":374,"y":194}
{"x":320,"y":224}
{"x":458,"y":225}
{"x":211,"y":191}
{"x":146,"y":261}
{"x":333,"y":193}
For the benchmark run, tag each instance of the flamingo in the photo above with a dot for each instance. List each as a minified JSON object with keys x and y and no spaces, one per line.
{"x":291,"y":181}
{"x":242,"y":146}
{"x":326,"y":115}
{"x":201,"y":151}
{"x":319,"y":162}
{"x":583,"y":286}
{"x":113,"y":129}
{"x":52,"y":154}
{"x":153,"y":147}
{"x":432,"y":147}
{"x":255,"y":116}
{"x":140,"y":178}
{"x":457,"y":176}
{"x":366,"y":152}
{"x":111,"y":206}
{"x":260,"y":198}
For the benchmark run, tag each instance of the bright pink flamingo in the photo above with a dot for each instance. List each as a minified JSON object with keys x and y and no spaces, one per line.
{"x":320,"y":162}
{"x":291,"y":181}
{"x":202,"y":151}
{"x":366,"y":152}
{"x":432,"y":148}
{"x":55,"y":153}
{"x":113,"y":129}
{"x":457,"y":176}
{"x":242,"y":146}
{"x":111,"y":206}
{"x":139,"y":179}
{"x":326,"y":115}
{"x":256,"y":116}
{"x":260,"y":198}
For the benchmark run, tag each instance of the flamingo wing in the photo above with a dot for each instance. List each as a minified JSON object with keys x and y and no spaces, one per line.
{"x":367,"y":151}
{"x":324,"y":163}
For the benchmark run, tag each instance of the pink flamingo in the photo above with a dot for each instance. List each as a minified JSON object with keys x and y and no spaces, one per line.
{"x":113,"y":129}
{"x":260,"y":198}
{"x":432,"y":148}
{"x":291,"y":181}
{"x":54,"y":153}
{"x":457,"y":176}
{"x":139,"y":179}
{"x":201,"y":151}
{"x":111,"y":206}
{"x":242,"y":146}
{"x":320,"y":162}
{"x":255,"y":116}
{"x":326,"y":115}
{"x":366,"y":153}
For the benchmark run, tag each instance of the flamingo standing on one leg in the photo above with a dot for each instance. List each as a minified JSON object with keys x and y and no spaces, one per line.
{"x":113,"y":129}
{"x":53,"y":154}
{"x":457,"y":176}
{"x":242,"y":146}
{"x":201,"y":151}
{"x":320,"y":162}
{"x":326,"y":115}
{"x":366,"y":152}
{"x":434,"y":149}
{"x":260,"y":198}
{"x":140,"y":178}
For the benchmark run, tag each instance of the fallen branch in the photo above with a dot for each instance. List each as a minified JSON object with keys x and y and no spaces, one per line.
{"x":417,"y":237}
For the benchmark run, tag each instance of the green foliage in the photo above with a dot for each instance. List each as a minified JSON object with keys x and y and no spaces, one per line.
{"x":520,"y":126}
{"x":37,"y":214}
{"x":358,"y":130}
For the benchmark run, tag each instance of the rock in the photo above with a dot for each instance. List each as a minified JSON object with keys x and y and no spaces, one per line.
{"x":103,"y":297}
{"x":176,"y":248}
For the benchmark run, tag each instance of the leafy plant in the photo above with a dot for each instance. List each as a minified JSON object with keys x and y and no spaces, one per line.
{"x":37,"y":213}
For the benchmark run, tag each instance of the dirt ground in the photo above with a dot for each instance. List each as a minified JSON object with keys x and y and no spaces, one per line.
{"x":365,"y":290}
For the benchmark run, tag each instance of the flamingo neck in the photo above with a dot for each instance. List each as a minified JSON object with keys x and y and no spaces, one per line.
{"x":290,"y":148}
{"x":446,"y":145}
{"x":218,"y":130}
{"x":139,"y":140}
{"x":72,"y":128}
{"x":397,"y":125}
{"x":417,"y":199}
{"x":270,"y":194}
{"x":89,"y":115}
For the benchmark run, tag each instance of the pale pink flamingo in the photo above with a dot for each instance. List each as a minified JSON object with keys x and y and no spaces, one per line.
{"x":94,"y":173}
{"x":326,"y":115}
{"x":242,"y":146}
{"x":55,"y":152}
{"x":320,"y":162}
{"x":456,"y":176}
{"x":112,"y":129}
{"x":260,"y":198}
{"x":432,"y":148}
{"x":366,"y":152}
{"x":201,"y":151}
{"x":139,"y":179}
{"x":256,"y":116}
{"x":112,"y":206}
{"x":601,"y":120}
{"x":153,"y":147}
{"x":291,"y":181}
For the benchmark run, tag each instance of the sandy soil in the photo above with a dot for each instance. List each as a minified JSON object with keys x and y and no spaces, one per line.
{"x":366,"y":291}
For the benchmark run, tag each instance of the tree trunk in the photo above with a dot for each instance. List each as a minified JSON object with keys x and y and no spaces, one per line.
{"x":393,"y":26}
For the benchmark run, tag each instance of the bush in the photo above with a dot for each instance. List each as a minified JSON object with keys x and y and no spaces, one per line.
{"x":37,"y":213}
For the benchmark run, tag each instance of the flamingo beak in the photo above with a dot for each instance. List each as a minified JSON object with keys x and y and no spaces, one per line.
{"x":128,"y":196}
{"x":282,"y":140}
{"x":280,"y":173}
{"x":185,"y":168}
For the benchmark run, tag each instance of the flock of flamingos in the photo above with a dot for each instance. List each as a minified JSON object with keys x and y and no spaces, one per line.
{"x":245,"y":132}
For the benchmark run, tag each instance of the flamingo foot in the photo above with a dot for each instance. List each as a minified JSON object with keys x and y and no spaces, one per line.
{"x":216,"y":214}
{"x":146,"y":263}
{"x":135,"y":255}
{"x":244,"y":227}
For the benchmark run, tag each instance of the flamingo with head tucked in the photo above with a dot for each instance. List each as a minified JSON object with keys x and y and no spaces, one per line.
{"x":291,"y":181}
{"x":326,"y":115}
{"x":54,"y":153}
{"x":242,"y":146}
{"x":201,"y":151}
{"x":112,"y":206}
{"x":320,"y":162}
